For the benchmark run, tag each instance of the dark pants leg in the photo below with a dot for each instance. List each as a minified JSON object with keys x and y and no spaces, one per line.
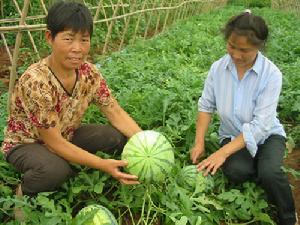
{"x":265,"y":169}
{"x":42,"y":170}
{"x":104,"y":138}
{"x":45,"y":171}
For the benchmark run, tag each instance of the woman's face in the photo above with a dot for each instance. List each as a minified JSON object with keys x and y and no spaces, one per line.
{"x":69,"y":49}
{"x":242,"y":52}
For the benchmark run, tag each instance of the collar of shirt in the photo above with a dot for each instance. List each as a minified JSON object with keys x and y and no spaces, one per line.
{"x":256,"y":68}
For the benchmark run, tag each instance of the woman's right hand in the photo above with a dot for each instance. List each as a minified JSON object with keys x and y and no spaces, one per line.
{"x":196,"y":153}
{"x":112,"y":167}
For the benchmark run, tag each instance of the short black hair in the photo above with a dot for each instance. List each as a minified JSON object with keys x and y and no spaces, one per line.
{"x":249,"y":25}
{"x":69,"y":15}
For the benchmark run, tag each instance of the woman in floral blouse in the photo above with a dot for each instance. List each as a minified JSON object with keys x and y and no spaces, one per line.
{"x":44,"y":132}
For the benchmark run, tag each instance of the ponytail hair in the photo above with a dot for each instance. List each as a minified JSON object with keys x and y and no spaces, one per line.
{"x":249,"y":25}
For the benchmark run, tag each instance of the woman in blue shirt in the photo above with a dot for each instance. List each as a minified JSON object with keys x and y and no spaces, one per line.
{"x":243,"y":88}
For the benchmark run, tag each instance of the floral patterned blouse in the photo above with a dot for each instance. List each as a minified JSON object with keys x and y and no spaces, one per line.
{"x":40,"y":101}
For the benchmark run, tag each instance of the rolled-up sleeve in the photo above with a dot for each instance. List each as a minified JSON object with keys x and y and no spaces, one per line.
{"x":207,"y":102}
{"x":264,"y":114}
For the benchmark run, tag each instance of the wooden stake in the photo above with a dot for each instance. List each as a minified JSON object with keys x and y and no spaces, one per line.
{"x":13,"y":71}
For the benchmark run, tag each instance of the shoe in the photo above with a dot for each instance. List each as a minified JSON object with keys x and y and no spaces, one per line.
{"x":18,"y":212}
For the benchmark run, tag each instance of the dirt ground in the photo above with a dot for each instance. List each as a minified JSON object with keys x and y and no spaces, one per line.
{"x":293,"y":159}
{"x":4,"y":65}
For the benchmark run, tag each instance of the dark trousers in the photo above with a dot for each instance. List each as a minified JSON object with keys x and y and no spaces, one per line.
{"x":265,"y":169}
{"x":43,"y":170}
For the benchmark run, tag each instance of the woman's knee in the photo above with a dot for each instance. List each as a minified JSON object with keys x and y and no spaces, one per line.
{"x":58,"y":173}
{"x":46,"y":177}
{"x":116,"y":138}
{"x":95,"y":137}
{"x":269,"y":175}
{"x":237,"y":173}
{"x":113,"y":140}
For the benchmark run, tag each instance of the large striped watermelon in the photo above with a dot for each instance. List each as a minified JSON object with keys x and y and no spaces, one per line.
{"x":192,"y":179}
{"x":95,"y":215}
{"x":149,"y":155}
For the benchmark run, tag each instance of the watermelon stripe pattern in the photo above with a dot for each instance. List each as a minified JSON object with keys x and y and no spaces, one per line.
{"x":149,"y":155}
{"x":110,"y":215}
{"x":190,"y":178}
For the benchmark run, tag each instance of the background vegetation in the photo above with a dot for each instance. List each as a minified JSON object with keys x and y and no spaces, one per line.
{"x":159,"y":82}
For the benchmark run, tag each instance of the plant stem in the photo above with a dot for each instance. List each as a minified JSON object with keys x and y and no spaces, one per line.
{"x":143,"y":207}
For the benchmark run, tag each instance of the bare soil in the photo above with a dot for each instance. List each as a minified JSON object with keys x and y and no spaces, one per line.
{"x":293,"y":161}
{"x":4,"y":66}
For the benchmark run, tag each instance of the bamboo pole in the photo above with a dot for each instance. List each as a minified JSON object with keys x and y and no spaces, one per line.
{"x":23,"y":27}
{"x":13,"y":72}
{"x":1,"y":8}
{"x":44,"y":6}
{"x":158,"y":18}
{"x":110,"y":29}
{"x":194,"y":9}
{"x":173,"y":14}
{"x":17,"y":20}
{"x":190,"y":10}
{"x":138,"y":21}
{"x":28,"y":32}
{"x":100,"y":6}
{"x":166,"y":17}
{"x":105,"y":16}
{"x":117,"y":7}
{"x":127,"y":25}
{"x":183,"y":9}
{"x":177,"y":11}
{"x":124,"y":12}
{"x":7,"y":48}
{"x":97,"y":11}
{"x":148,"y":22}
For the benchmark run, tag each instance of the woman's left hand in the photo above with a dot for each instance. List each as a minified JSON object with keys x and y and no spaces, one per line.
{"x":212,"y":163}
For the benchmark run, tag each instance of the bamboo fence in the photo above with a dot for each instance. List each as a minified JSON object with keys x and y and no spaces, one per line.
{"x":287,"y":5}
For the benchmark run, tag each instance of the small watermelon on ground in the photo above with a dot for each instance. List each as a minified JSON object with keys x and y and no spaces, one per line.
{"x":95,"y":215}
{"x":192,"y":179}
{"x":150,"y":156}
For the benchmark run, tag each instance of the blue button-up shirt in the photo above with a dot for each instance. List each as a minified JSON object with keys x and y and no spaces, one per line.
{"x":246,"y":106}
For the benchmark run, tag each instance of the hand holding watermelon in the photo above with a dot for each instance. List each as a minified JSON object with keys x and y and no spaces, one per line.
{"x":212,"y":163}
{"x":112,"y":167}
{"x":197,"y":152}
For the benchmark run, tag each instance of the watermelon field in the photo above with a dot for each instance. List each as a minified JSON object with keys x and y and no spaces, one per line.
{"x":158,"y":82}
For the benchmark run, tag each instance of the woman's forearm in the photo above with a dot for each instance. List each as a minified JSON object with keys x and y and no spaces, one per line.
{"x":121,"y":120}
{"x":233,"y":146}
{"x":70,"y":152}
{"x":202,"y":124}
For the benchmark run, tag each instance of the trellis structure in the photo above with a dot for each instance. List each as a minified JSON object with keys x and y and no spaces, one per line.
{"x":117,"y":22}
{"x":288,"y":5}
